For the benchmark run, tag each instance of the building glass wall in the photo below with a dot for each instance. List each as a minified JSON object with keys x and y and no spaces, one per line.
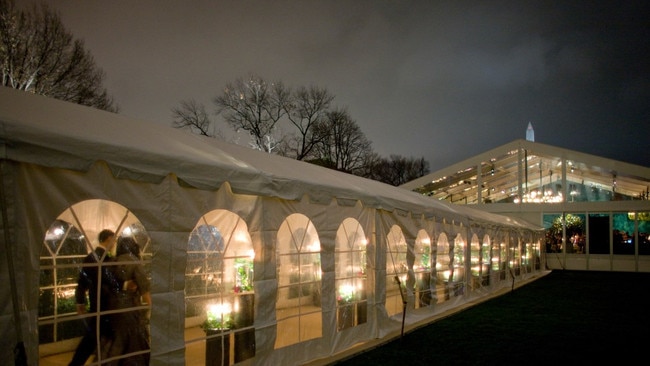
{"x":644,"y":232}
{"x":598,"y":235}
{"x":529,"y":176}
{"x":619,"y":233}
{"x":623,"y":233}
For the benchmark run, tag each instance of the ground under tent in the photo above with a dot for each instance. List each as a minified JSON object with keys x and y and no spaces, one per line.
{"x":253,"y":258}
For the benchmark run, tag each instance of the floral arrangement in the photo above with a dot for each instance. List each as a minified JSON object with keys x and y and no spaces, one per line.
{"x":244,"y":274}
{"x":346,"y":294}
{"x":425,"y":260}
{"x":218,"y":317}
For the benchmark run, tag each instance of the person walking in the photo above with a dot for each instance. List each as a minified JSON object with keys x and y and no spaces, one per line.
{"x":95,"y":284}
{"x":130,"y":327}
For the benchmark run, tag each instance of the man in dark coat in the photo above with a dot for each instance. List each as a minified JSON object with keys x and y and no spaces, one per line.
{"x":91,"y":287}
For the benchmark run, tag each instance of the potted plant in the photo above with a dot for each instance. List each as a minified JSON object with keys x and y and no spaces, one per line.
{"x":346,"y":295}
{"x":244,"y":310}
{"x":345,"y":307}
{"x":213,"y":323}
{"x":217,"y":326}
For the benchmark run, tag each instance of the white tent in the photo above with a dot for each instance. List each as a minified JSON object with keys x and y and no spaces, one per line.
{"x":68,"y":163}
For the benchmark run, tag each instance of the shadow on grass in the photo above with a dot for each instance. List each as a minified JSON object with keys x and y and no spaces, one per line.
{"x":566,"y":316}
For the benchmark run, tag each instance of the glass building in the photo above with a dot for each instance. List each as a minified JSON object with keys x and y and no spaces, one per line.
{"x":596,"y":211}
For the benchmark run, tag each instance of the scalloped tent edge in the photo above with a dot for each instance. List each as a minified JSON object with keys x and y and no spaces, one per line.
{"x":48,"y":132}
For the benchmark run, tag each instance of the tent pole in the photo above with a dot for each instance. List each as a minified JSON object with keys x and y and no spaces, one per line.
{"x":404,"y":302}
{"x":20,"y":356}
{"x":401,"y":291}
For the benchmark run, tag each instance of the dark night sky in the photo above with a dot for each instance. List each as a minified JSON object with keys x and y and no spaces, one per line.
{"x":443,"y":80}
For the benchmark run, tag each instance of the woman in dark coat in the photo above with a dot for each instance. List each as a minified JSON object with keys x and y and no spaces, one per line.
{"x":130,"y":327}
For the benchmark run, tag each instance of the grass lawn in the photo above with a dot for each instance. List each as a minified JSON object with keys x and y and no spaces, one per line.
{"x":564,"y":317}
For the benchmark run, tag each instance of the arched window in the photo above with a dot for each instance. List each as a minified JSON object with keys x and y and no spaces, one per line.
{"x":443,"y":260}
{"x":526,"y":250}
{"x":459,"y":259}
{"x":486,"y":260}
{"x":475,"y":261}
{"x":422,"y":269}
{"x":514,"y":254}
{"x":458,"y":264}
{"x":443,"y":267}
{"x":503,"y":255}
{"x":536,"y":252}
{"x":68,"y":241}
{"x":351,"y":287}
{"x":495,"y":263}
{"x":298,"y":305}
{"x":219,"y":297}
{"x":395,"y":267}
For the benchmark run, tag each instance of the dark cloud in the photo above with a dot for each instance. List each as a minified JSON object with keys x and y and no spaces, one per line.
{"x":445,"y":80}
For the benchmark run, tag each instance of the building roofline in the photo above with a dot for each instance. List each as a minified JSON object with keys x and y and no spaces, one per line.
{"x":615,"y":166}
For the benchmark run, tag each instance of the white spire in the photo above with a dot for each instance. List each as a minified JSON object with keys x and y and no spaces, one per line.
{"x":530,"y":133}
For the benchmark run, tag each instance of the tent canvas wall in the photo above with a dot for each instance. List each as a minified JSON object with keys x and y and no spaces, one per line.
{"x":62,"y":161}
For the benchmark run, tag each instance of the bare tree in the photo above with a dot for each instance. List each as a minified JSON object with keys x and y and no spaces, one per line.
{"x":325,"y":136}
{"x":39,"y":55}
{"x":396,"y":170}
{"x":372,"y":163}
{"x":344,"y":146}
{"x":254,"y":106}
{"x":309,"y":107}
{"x":192,"y":115}
{"x":418,"y":168}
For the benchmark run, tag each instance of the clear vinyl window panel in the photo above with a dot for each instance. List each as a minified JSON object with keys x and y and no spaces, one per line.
{"x":486,"y":260}
{"x":351,"y":275}
{"x":422,"y":269}
{"x":396,"y":270}
{"x":69,"y":240}
{"x":219,"y":288}
{"x":298,"y":304}
{"x":458,"y":266}
{"x":475,"y":262}
{"x":443,"y":260}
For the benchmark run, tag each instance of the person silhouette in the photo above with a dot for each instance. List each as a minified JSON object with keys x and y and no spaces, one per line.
{"x":130,"y":328}
{"x":95,"y":283}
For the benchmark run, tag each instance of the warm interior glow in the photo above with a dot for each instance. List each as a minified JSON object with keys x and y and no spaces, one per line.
{"x":314,"y":246}
{"x":445,"y":274}
{"x":219,"y":310}
{"x":241,"y":236}
{"x":536,"y":197}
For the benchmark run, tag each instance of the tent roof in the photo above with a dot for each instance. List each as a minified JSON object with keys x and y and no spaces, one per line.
{"x":53,"y":133}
